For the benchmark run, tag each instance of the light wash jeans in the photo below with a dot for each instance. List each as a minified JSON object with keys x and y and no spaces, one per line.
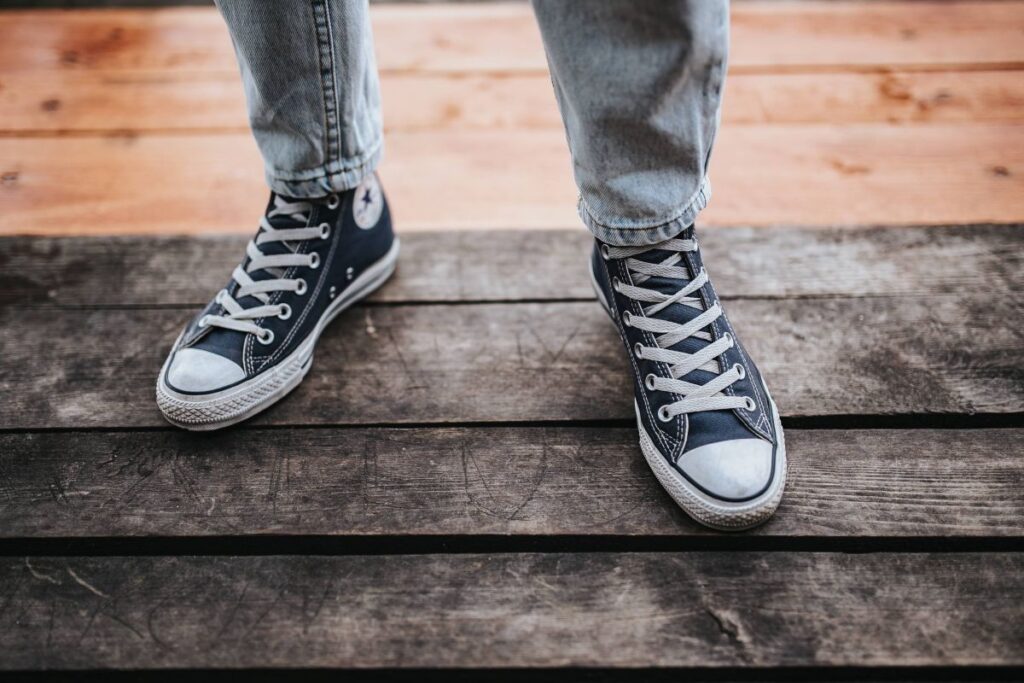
{"x":638,"y":82}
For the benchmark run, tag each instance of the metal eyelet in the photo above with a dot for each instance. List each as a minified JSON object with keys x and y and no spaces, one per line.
{"x":265,"y":336}
{"x":220,"y":297}
{"x":741,"y":370}
{"x":627,"y":317}
{"x":638,"y":350}
{"x":749,"y":405}
{"x":605,"y":253}
{"x":663,"y":414}
{"x":616,"y":283}
{"x":325,"y":230}
{"x":285,"y":312}
{"x":649,"y":381}
{"x":204,"y":321}
{"x":333,"y":201}
{"x":314,"y":260}
{"x":732,"y":342}
{"x":300,"y":288}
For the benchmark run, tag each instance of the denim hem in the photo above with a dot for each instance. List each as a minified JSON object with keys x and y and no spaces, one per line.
{"x":337,"y":176}
{"x":635,"y":236}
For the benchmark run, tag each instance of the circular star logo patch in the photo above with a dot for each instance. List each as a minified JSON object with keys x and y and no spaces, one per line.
{"x":368,"y":203}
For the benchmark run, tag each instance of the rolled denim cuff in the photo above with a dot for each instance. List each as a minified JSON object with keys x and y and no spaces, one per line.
{"x":625,"y":233}
{"x":337,"y":176}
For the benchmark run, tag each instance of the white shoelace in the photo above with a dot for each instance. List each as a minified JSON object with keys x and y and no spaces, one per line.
{"x":696,"y":397}
{"x":240,"y":318}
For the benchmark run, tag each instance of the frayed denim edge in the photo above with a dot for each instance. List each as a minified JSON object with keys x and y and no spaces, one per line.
{"x":643,"y":235}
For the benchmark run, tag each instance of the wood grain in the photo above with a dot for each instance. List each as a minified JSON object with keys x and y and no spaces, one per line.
{"x":535,"y":362}
{"x":504,"y":38}
{"x":95,"y":102}
{"x":517,"y":481}
{"x":553,"y":610}
{"x":460,"y":266}
{"x":763,"y":175}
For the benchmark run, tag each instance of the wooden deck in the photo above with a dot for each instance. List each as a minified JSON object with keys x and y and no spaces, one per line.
{"x":486,"y":512}
{"x":836,"y":113}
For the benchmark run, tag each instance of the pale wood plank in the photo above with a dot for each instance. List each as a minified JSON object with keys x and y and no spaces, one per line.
{"x":504,"y":37}
{"x":461,"y":266}
{"x":95,"y":102}
{"x":762,"y":175}
{"x":583,"y":610}
{"x":526,"y":481}
{"x":948,"y":354}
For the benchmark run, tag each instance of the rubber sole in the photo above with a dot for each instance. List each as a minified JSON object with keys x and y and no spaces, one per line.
{"x":207,"y":412}
{"x":708,"y":510}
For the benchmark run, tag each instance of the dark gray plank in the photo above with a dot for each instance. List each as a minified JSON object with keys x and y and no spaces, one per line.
{"x":529,"y":362}
{"x":457,"y":481}
{"x":588,"y":609}
{"x":534,"y":265}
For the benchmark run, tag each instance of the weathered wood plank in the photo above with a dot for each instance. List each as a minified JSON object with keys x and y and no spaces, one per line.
{"x":763,"y":175}
{"x":504,"y":37}
{"x":462,"y":266}
{"x":75,"y":101}
{"x":527,"y":481}
{"x":551,"y":361}
{"x":554,"y":610}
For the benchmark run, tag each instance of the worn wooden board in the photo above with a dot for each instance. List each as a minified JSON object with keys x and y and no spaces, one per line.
{"x":553,"y":610}
{"x":550,"y":361}
{"x":503,"y":37}
{"x":763,"y":175}
{"x":518,"y":481}
{"x":95,"y":102}
{"x":467,"y":267}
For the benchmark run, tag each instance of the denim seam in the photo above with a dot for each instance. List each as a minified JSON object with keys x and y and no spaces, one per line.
{"x":659,"y":228}
{"x":325,"y":51}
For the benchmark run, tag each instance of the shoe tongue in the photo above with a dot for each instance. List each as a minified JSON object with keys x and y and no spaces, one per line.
{"x":680,"y":312}
{"x":280,"y":222}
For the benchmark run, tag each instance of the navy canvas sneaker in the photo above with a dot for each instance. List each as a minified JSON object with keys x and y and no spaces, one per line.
{"x":254,"y":342}
{"x":708,"y":427}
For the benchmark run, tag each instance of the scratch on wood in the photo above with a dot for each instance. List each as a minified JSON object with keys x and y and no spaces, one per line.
{"x":39,"y":575}
{"x":85,"y":584}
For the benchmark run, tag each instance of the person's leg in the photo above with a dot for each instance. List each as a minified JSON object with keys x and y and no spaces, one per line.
{"x":325,"y":240}
{"x":639,"y":85}
{"x":312,"y":90}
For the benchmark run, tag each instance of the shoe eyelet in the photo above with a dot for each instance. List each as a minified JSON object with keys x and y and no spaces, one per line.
{"x":732,"y":342}
{"x":204,"y":321}
{"x":649,"y":381}
{"x":616,"y":283}
{"x":220,"y":297}
{"x":265,"y":336}
{"x":627,"y":317}
{"x":325,"y":230}
{"x":663,"y":414}
{"x":300,"y":288}
{"x":748,"y":404}
{"x":314,"y":260}
{"x":285,"y":312}
{"x":741,"y":370}
{"x":638,"y":350}
{"x":333,"y":201}
{"x":605,"y":253}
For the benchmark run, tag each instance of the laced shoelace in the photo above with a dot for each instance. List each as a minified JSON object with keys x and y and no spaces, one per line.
{"x":696,"y":397}
{"x":240,"y":318}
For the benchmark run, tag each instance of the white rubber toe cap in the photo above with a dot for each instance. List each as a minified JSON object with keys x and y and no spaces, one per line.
{"x":732,"y":470}
{"x":196,"y":370}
